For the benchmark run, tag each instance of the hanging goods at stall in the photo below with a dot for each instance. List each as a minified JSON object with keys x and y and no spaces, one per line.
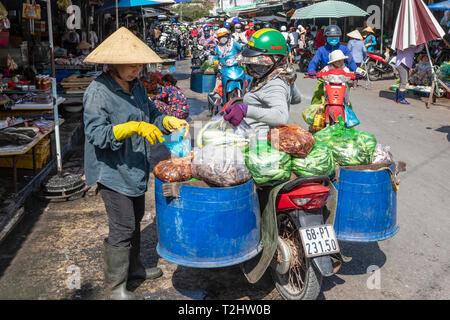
{"x":31,"y":10}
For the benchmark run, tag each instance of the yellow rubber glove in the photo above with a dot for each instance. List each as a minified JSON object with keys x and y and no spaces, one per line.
{"x":144,"y":129}
{"x":173,"y":123}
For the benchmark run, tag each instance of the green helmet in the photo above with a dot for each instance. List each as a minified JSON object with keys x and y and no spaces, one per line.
{"x":266,"y":42}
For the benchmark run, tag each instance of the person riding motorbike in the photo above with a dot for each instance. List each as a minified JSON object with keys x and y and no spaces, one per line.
{"x":239,"y":35}
{"x":272,"y":90}
{"x":322,"y":57}
{"x":207,"y":39}
{"x":225,"y":49}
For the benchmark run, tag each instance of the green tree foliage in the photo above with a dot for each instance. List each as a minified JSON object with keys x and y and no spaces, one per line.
{"x":192,"y":11}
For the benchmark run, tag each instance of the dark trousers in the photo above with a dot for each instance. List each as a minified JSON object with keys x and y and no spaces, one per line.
{"x":124,"y":216}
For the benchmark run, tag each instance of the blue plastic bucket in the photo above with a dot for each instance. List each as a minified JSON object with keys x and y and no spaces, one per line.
{"x":203,"y":83}
{"x":208,"y":227}
{"x":367,"y":205}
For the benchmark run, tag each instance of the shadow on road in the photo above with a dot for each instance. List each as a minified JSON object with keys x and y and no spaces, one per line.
{"x":228,"y":283}
{"x":445,"y":129}
{"x":366,"y":257}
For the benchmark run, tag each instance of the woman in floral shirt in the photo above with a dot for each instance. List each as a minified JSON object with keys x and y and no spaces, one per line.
{"x":171,"y":100}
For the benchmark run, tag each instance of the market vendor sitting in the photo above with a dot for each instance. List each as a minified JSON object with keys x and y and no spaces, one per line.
{"x":421,"y":75}
{"x":171,"y":100}
{"x":122,"y":129}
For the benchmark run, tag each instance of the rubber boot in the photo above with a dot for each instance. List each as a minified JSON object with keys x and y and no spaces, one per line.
{"x":117,"y":261}
{"x":137,"y":269}
{"x":401,"y":97}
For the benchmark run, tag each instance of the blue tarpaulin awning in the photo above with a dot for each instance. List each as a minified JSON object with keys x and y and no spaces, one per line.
{"x":445,"y":5}
{"x":131,"y":3}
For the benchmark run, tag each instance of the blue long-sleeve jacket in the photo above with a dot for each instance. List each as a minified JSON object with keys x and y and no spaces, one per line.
{"x":120,"y":165}
{"x":322,"y":56}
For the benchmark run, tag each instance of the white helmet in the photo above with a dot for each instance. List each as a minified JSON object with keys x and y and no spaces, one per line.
{"x":283,"y":28}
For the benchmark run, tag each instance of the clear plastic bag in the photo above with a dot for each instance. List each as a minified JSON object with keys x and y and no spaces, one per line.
{"x":267,"y":165}
{"x":291,"y":139}
{"x":178,"y":144}
{"x":174,"y":170}
{"x":382,"y":154}
{"x":350,"y":147}
{"x":220,"y":166}
{"x":319,"y":162}
{"x":219,"y":132}
{"x":309,"y":113}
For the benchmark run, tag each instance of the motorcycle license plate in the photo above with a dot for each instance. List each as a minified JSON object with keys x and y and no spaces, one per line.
{"x":319,"y":240}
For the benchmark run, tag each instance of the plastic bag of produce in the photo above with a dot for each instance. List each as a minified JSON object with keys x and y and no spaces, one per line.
{"x":267,"y":165}
{"x":174,"y":170}
{"x":219,"y":132}
{"x":319,"y":162}
{"x":382,"y":154}
{"x":178,"y":144}
{"x":291,"y":139}
{"x":309,"y":113}
{"x":220,"y":166}
{"x":350,"y":147}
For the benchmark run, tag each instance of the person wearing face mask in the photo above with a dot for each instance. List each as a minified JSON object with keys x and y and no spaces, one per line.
{"x":332,"y":33}
{"x":239,"y":35}
{"x":226,"y":46}
{"x":207,"y":39}
{"x":272,"y":90}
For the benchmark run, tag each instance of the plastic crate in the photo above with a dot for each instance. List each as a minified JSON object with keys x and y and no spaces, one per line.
{"x":26,"y":161}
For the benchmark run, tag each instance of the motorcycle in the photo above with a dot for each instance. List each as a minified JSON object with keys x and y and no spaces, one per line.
{"x":308,"y":249}
{"x":234,"y":84}
{"x":303,"y":56}
{"x":335,"y":87}
{"x":199,"y":55}
{"x":377,"y":65}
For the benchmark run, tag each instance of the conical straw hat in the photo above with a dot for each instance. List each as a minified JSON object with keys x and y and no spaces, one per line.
{"x":84,"y":45}
{"x":369,"y":29}
{"x":355,"y":34}
{"x":123,"y":47}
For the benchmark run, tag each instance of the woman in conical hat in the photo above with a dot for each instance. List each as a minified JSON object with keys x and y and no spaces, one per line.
{"x":370,"y":40}
{"x":123,"y":132}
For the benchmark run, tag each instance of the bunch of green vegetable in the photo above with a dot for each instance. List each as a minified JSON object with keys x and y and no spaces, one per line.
{"x":267,"y":165}
{"x":349,"y":146}
{"x":318,"y":162}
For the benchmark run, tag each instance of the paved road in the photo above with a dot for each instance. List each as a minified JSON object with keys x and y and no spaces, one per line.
{"x":58,"y":244}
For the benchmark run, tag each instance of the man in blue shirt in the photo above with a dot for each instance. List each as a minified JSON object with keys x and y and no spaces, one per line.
{"x":333,"y":34}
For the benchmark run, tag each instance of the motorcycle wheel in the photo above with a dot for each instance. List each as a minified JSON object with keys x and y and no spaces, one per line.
{"x":302,"y":281}
{"x":303,"y":64}
{"x":372,"y":71}
{"x":234,"y":94}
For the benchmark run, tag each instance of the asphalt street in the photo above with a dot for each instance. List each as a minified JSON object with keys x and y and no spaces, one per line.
{"x":57,"y":240}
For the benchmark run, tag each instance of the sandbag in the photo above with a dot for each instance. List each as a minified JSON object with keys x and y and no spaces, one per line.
{"x":293,"y":140}
{"x":349,"y":146}
{"x":267,"y":165}
{"x":174,"y":170}
{"x":319,"y":162}
{"x":220,"y":166}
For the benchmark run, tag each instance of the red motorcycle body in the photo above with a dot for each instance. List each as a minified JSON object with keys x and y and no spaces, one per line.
{"x":334,"y":90}
{"x":376,"y":57}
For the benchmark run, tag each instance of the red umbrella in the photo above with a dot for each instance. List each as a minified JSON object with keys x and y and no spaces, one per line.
{"x":415,"y":25}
